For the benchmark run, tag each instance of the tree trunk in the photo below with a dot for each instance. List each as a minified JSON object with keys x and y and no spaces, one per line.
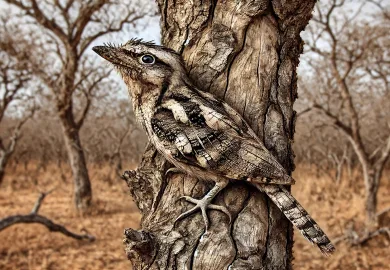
{"x":4,"y":157}
{"x":339,"y":171}
{"x":2,"y":172}
{"x":247,"y":54}
{"x":82,"y":185}
{"x":372,"y":177}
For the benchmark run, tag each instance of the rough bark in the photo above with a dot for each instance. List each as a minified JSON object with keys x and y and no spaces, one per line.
{"x":245,"y":53}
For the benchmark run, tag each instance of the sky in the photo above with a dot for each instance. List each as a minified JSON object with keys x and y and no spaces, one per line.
{"x":148,"y":28}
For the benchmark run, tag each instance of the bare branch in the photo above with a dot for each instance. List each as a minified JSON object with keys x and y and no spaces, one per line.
{"x":39,"y":201}
{"x":384,"y":211}
{"x":35,"y":218}
{"x":385,"y":10}
{"x":385,"y":154}
{"x":88,"y":96}
{"x":84,"y":18}
{"x":35,"y":12}
{"x":368,"y":236}
{"x":336,"y":121}
{"x":16,"y":133}
{"x":110,"y":29}
{"x":299,"y":114}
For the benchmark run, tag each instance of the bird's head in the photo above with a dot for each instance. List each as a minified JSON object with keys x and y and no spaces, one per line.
{"x":144,"y":66}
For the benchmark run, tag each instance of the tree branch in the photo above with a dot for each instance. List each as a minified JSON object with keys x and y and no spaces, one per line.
{"x":16,"y":133}
{"x":110,"y":29}
{"x":84,"y":18}
{"x":336,"y":121}
{"x":33,"y":217}
{"x":35,"y":12}
{"x":385,"y":154}
{"x":87,"y":93}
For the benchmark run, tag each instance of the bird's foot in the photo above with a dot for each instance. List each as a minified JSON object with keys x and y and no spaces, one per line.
{"x":203,"y":205}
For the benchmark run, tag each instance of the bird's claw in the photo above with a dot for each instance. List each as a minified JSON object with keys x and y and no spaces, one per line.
{"x":173,"y":170}
{"x":202,"y":205}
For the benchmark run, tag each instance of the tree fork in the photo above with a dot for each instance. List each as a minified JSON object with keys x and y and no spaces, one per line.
{"x":247,"y":54}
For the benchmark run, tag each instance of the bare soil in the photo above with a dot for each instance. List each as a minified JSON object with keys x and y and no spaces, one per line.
{"x":28,"y":246}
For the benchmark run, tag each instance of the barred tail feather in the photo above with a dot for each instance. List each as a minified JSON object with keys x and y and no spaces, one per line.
{"x":298,"y":216}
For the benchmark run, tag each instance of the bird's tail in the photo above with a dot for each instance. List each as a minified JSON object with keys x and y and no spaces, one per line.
{"x":298,"y":216}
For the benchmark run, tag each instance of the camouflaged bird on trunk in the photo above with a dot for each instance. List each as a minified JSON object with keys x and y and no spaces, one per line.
{"x":201,"y":135}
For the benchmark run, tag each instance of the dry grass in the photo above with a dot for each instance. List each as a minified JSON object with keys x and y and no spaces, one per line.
{"x":33,"y":247}
{"x":335,"y":208}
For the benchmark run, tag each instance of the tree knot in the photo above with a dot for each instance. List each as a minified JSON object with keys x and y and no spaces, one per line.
{"x":140,"y":247}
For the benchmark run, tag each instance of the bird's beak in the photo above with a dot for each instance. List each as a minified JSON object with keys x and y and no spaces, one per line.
{"x":108,"y":53}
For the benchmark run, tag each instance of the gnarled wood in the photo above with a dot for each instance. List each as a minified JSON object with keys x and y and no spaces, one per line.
{"x":245,"y":52}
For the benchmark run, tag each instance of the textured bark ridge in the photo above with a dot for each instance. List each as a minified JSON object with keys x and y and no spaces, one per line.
{"x":245,"y":52}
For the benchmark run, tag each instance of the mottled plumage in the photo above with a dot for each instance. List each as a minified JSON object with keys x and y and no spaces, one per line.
{"x":202,"y":135}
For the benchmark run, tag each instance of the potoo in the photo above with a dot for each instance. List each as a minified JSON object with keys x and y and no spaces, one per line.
{"x":201,"y":135}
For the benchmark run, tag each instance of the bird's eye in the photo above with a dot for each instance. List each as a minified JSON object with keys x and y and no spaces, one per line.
{"x":148,"y":59}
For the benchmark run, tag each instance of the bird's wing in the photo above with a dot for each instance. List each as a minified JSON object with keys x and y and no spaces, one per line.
{"x":200,"y":133}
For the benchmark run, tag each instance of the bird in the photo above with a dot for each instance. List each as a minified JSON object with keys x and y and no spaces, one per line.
{"x":201,"y":135}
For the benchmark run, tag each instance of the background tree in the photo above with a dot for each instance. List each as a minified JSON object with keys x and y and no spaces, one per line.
{"x":14,"y":80}
{"x":349,"y":66}
{"x":245,"y":53}
{"x":58,"y":36}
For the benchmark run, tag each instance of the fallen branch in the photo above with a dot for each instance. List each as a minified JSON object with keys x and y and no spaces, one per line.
{"x":384,"y":211}
{"x":34,"y":217}
{"x":369,"y":235}
{"x":353,"y":238}
{"x":39,"y":201}
{"x":339,"y":239}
